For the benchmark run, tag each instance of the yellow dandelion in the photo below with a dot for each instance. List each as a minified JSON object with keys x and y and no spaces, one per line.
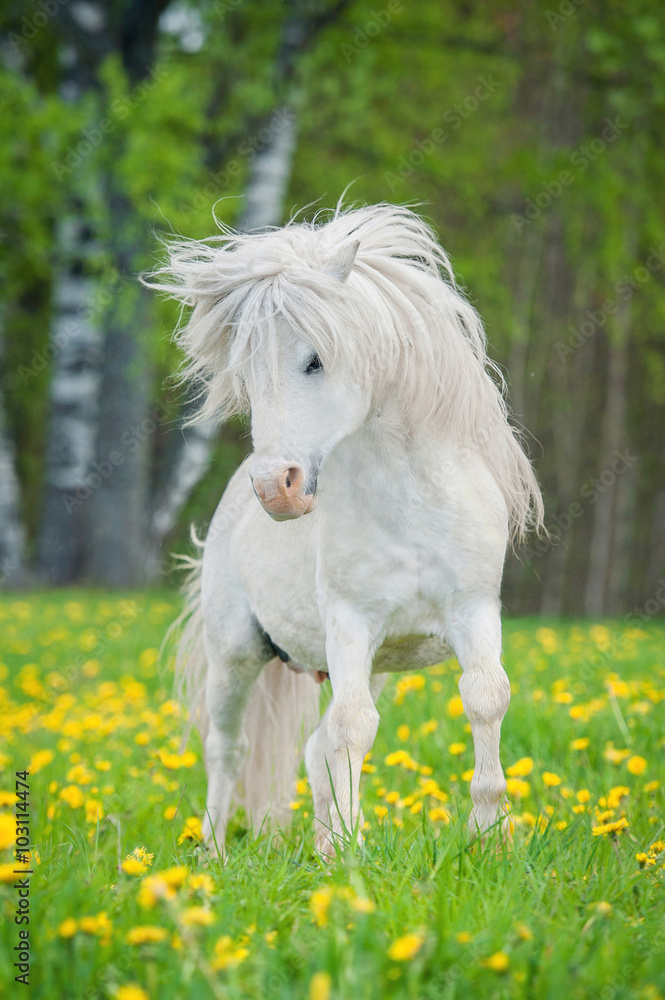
{"x":197,"y":916}
{"x":320,"y":986}
{"x":40,"y":760}
{"x":456,"y":749}
{"x":524,"y":933}
{"x":93,"y":810}
{"x":7,"y":830}
{"x":72,"y":795}
{"x":463,"y":937}
{"x":7,"y":798}
{"x":637,"y":765}
{"x":153,"y":889}
{"x":362,"y":905}
{"x":439,"y":815}
{"x":520,"y":768}
{"x":405,"y":948}
{"x":67,"y":928}
{"x":191,"y":830}
{"x":201,"y":881}
{"x":652,"y":786}
{"x":498,"y":962}
{"x":380,"y":812}
{"x":520,"y":789}
{"x":403,"y":758}
{"x":146,"y":935}
{"x":455,"y":707}
{"x":319,"y":904}
{"x":227,"y":954}
{"x":604,"y":907}
{"x":413,"y":682}
{"x":403,"y":733}
{"x":580,"y":744}
{"x":614,"y":827}
{"x":131,"y":991}
{"x":132,"y":866}
{"x":170,"y":811}
{"x":550,"y":779}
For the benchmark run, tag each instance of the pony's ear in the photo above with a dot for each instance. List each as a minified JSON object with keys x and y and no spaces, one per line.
{"x":340,"y":264}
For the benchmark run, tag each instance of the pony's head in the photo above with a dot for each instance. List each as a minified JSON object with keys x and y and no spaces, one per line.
{"x":314,"y":326}
{"x":299,"y":409}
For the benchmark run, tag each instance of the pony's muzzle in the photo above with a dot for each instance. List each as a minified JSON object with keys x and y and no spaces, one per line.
{"x":283,"y":494}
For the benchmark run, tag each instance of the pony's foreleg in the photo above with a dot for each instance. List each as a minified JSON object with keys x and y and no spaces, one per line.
{"x":235,"y":659}
{"x":336,"y":750}
{"x":474,"y":632}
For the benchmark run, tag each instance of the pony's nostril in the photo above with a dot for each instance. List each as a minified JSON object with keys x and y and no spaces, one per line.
{"x":293,"y":479}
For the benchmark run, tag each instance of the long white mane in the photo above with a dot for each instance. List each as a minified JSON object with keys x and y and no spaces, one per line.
{"x":397,"y":324}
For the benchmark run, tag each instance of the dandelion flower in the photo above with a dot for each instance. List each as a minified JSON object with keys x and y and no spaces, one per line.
{"x":320,"y":986}
{"x":146,"y":935}
{"x":455,"y":707}
{"x":498,"y":962}
{"x":405,"y":948}
{"x":614,"y":827}
{"x":197,"y":916}
{"x":131,"y":991}
{"x":637,"y":765}
{"x":580,"y":744}
{"x":67,"y":928}
{"x":550,"y":779}
{"x":319,"y":904}
{"x":520,"y":768}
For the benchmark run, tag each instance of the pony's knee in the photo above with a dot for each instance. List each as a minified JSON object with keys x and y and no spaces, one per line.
{"x":485,"y":693}
{"x":353,"y":722}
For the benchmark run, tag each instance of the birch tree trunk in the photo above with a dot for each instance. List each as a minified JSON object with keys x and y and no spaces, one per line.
{"x":74,"y":391}
{"x":12,"y":532}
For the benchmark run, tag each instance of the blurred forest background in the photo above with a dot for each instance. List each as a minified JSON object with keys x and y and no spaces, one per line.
{"x":532,"y":135}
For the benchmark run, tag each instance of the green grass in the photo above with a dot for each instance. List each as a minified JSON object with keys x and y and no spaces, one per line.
{"x":565,"y":913}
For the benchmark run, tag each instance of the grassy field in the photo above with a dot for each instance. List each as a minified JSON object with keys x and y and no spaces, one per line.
{"x":122,"y":904}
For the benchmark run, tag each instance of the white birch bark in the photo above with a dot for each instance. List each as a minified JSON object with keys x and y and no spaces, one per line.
{"x":74,"y":395}
{"x":12,"y":531}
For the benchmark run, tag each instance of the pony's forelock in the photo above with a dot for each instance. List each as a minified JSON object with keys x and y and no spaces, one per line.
{"x":397,"y":324}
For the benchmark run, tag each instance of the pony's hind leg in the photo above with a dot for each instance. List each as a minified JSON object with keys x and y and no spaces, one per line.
{"x":236,"y":653}
{"x":474,"y":632}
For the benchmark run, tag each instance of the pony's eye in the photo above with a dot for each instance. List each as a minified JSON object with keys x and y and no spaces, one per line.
{"x":314,"y":365}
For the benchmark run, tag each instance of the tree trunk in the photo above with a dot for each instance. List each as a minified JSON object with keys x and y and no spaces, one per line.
{"x":74,"y":388}
{"x":614,"y":439}
{"x":116,"y":513}
{"x":12,"y":532}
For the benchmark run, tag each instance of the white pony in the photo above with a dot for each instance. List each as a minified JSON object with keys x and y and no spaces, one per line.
{"x":366,"y":532}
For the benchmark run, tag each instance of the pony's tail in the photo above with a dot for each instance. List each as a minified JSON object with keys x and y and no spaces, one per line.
{"x":282,"y":712}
